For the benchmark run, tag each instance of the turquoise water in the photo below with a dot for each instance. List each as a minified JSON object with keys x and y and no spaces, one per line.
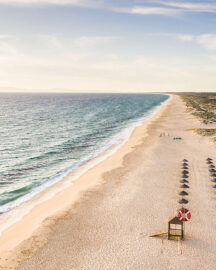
{"x":43,"y":137}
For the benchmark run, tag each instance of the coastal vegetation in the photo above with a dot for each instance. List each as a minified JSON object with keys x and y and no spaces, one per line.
{"x":202,"y":106}
{"x":204,"y":131}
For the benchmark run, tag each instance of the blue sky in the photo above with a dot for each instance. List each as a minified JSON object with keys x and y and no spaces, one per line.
{"x":101,"y":45}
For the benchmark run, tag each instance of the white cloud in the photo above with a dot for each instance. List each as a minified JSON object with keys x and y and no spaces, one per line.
{"x":182,"y":37}
{"x":143,"y":10}
{"x":189,"y":6}
{"x":52,"y":40}
{"x":185,"y":37}
{"x":167,"y":8}
{"x":140,"y":74}
{"x":181,"y":6}
{"x":141,"y":7}
{"x":89,"y":41}
{"x":6,"y":36}
{"x":6,"y":49}
{"x":87,"y":66}
{"x":51,"y":2}
{"x":208,"y":41}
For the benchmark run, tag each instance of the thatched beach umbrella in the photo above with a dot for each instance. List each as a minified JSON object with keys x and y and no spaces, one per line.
{"x":183,"y":201}
{"x":209,"y":158}
{"x":214,"y":180}
{"x":185,"y":160}
{"x":184,"y":181}
{"x":184,"y":186}
{"x":212,"y":166}
{"x":185,"y":175}
{"x":212,"y":170}
{"x":209,"y":162}
{"x":185,"y":164}
{"x":183,"y":193}
{"x":185,"y":172}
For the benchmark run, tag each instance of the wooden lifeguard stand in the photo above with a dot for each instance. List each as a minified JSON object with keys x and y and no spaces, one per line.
{"x":175,"y":229}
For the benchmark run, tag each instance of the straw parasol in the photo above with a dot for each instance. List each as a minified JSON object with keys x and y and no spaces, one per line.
{"x":184,"y":186}
{"x":183,"y":201}
{"x":183,"y":193}
{"x":184,"y":181}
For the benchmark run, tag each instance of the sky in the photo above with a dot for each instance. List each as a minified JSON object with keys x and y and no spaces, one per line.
{"x":107,"y":45}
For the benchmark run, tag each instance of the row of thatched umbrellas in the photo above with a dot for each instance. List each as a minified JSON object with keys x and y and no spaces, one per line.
{"x":184,"y":182}
{"x":212,"y":170}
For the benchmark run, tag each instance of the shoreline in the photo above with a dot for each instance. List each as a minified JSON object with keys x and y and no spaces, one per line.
{"x":34,"y":220}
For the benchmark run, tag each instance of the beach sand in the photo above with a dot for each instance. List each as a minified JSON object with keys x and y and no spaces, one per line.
{"x":111,"y":210}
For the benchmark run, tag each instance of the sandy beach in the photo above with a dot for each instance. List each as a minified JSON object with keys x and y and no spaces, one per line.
{"x":104,"y":220}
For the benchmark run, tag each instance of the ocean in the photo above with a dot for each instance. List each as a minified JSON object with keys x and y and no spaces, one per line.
{"x":44,"y":137}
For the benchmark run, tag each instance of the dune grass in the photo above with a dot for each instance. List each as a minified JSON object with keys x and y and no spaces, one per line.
{"x":204,"y":131}
{"x":203,"y":106}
